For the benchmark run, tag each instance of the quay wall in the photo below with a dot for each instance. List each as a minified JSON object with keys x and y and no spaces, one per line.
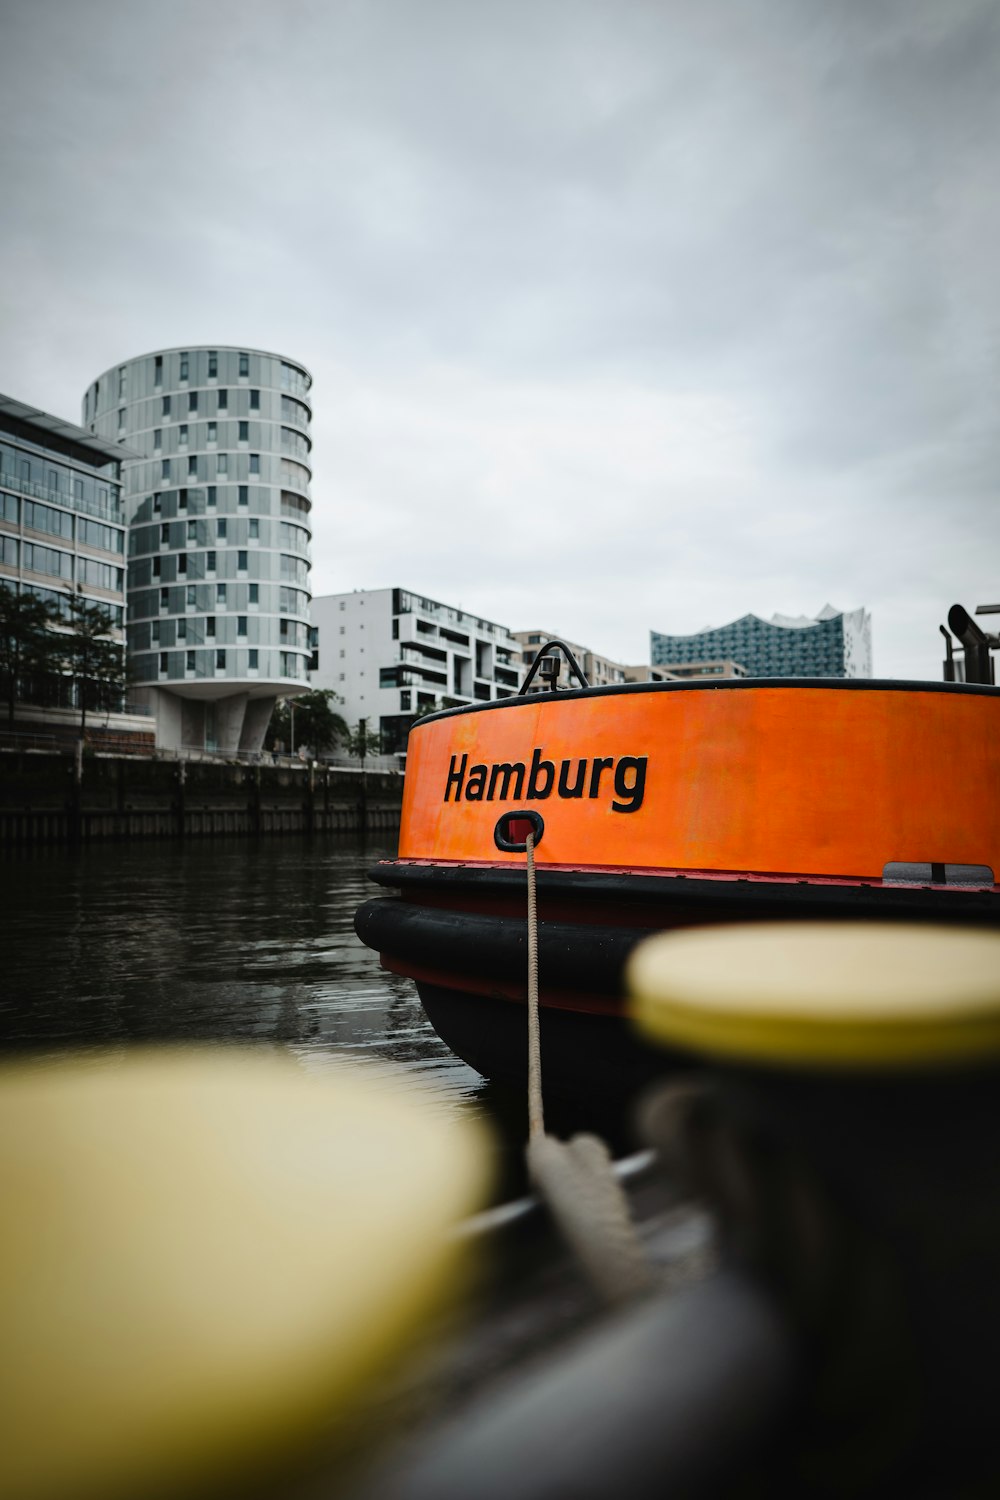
{"x":48,"y":797}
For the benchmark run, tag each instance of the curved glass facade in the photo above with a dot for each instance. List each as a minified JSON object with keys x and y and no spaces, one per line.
{"x":219,"y":529}
{"x":834,"y":644}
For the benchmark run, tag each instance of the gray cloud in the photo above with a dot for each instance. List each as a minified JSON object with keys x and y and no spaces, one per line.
{"x":689,"y":308}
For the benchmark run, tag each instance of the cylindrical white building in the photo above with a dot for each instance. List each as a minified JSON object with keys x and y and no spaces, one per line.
{"x":219,"y":532}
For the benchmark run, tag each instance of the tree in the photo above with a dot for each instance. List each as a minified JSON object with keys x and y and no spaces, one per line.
{"x":317,"y":723}
{"x":92,"y":658}
{"x":28,"y":647}
{"x":362,"y":741}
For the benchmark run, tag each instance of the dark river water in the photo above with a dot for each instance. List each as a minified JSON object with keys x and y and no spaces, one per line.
{"x":230,"y":941}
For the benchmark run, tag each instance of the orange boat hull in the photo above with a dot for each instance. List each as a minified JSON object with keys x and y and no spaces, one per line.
{"x":664,"y":805}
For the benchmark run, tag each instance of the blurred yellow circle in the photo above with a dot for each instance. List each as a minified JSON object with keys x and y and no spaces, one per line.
{"x":833,"y":994}
{"x":205,"y":1256}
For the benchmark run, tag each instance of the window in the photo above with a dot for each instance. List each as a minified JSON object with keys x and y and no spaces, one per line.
{"x":220,"y":593}
{"x":164,"y":598}
{"x":192,"y":531}
{"x":223,"y":400}
{"x":166,"y":406}
{"x":121,"y":419}
{"x":244,"y":433}
{"x":221,"y":527}
{"x":182,"y":562}
{"x":182,"y":629}
{"x":184,"y":367}
{"x":156,"y":567}
{"x":342,"y":629}
{"x":193,"y":466}
{"x":165,"y":468}
{"x":255,"y":463}
{"x":210,"y":497}
{"x":220,"y":661}
{"x":163,"y":661}
{"x":342,"y":605}
{"x":210,"y":562}
{"x":44,"y":518}
{"x":209,"y":624}
{"x":255,"y":400}
{"x":245,"y":366}
{"x":154,"y":633}
{"x":189,"y":657}
{"x":254,"y":593}
{"x":395,"y":630}
{"x":253,"y":655}
{"x":192,"y":596}
{"x":182,"y":499}
{"x":158,"y":370}
{"x":254,"y":529}
{"x":241,"y":625}
{"x":241,"y":561}
{"x":193,"y":401}
{"x":244,"y":494}
{"x":222,"y":464}
{"x":213,"y":364}
{"x":164,"y":535}
{"x":213,"y":432}
{"x":405,"y":698}
{"x":157,"y":439}
{"x":121,"y":381}
{"x":182,"y":435}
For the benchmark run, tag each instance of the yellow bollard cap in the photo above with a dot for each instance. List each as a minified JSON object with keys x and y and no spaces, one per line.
{"x":828,"y":995}
{"x":205,"y":1257}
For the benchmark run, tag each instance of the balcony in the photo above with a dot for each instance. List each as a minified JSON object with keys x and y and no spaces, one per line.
{"x":110,"y":511}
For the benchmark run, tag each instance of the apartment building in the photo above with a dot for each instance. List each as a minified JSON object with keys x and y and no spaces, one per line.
{"x":599,"y":671}
{"x":391,"y":655}
{"x":218,"y":504}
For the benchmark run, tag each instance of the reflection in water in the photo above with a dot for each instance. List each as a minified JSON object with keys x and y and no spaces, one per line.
{"x":234,"y":941}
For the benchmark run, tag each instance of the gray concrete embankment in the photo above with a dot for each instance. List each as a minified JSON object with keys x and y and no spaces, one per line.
{"x":52,"y":797}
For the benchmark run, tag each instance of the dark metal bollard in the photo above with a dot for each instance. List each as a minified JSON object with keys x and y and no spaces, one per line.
{"x":672,"y":1398}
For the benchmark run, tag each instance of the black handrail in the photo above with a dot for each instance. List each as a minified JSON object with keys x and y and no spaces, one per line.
{"x":543,"y":651}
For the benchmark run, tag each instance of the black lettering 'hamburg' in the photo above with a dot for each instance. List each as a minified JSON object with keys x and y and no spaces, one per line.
{"x":506,"y":780}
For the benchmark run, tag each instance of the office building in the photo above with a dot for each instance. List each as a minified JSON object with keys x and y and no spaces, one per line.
{"x":390,"y":655}
{"x":599,"y":671}
{"x":833,"y":644}
{"x":62,"y":525}
{"x":218,"y":509}
{"x":697,"y":671}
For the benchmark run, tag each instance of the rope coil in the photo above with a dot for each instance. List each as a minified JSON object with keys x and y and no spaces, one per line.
{"x":575,"y":1178}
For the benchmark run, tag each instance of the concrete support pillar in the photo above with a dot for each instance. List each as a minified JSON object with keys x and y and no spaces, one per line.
{"x":255,"y":722}
{"x":229,"y":716}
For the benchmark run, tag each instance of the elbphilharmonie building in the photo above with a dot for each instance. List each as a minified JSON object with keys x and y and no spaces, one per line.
{"x":219,"y":535}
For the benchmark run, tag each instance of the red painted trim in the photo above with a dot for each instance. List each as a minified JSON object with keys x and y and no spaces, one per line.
{"x":499,"y":989}
{"x":759,"y":877}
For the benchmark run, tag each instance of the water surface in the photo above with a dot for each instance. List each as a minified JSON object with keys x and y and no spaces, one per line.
{"x":212,"y":940}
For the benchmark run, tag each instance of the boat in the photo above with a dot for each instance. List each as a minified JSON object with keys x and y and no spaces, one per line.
{"x":660,"y":805}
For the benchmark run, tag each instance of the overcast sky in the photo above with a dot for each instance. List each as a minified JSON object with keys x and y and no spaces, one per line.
{"x":621,"y":315}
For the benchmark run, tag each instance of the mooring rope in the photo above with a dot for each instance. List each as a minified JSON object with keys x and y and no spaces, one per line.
{"x":576,"y":1178}
{"x":536,"y":1112}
